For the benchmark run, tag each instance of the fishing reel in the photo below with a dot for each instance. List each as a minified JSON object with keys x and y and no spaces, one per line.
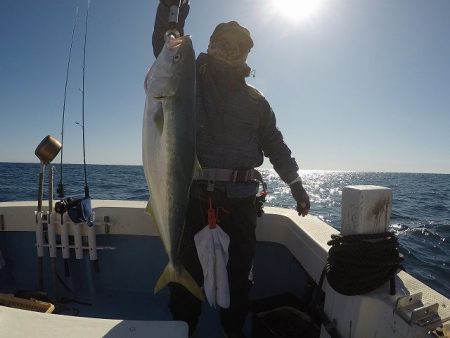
{"x":63,"y":206}
{"x":79,"y":210}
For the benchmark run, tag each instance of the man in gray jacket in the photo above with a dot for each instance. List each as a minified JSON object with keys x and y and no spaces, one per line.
{"x":236,"y":128}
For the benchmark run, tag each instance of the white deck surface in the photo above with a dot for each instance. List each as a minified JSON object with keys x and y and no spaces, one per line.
{"x":16,"y":323}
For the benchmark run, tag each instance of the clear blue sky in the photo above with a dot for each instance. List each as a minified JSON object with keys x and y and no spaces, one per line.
{"x":358,"y":85}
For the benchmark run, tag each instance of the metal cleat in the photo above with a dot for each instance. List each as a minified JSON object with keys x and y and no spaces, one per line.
{"x":411,"y":309}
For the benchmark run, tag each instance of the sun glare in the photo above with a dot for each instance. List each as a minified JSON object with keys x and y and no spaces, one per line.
{"x":297,"y":10}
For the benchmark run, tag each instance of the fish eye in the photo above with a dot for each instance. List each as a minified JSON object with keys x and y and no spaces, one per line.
{"x":177,"y":57}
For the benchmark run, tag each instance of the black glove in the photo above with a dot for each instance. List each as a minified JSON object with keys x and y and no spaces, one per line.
{"x":169,"y":3}
{"x":302,"y":198}
{"x":162,"y":24}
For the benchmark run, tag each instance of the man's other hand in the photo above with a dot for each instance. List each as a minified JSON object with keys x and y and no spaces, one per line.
{"x":301,"y":197}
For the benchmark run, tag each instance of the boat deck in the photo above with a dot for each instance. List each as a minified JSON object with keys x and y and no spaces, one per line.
{"x":131,"y":258}
{"x":123,"y":287}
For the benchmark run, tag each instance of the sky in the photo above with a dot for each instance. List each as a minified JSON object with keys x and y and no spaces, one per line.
{"x":355,"y":84}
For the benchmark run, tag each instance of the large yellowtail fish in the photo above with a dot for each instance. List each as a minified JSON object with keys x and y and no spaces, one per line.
{"x":168,"y":150}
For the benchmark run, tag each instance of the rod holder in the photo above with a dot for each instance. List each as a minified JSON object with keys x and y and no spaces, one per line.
{"x":78,"y":241}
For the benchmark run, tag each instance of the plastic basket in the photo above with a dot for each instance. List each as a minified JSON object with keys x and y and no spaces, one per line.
{"x":26,"y":304}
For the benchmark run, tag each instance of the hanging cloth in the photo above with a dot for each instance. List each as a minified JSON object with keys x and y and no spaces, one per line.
{"x":212,"y":249}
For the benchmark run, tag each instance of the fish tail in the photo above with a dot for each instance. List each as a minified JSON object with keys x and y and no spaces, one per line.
{"x":180,"y":276}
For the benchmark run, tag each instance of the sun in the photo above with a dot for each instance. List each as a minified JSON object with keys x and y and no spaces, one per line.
{"x":297,"y":10}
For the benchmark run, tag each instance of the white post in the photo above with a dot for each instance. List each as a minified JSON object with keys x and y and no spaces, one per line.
{"x":366,"y":209}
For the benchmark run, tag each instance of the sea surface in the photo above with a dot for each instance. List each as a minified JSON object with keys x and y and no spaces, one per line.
{"x":420,"y":211}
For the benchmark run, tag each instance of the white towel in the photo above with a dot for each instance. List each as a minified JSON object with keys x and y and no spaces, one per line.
{"x":212,"y":249}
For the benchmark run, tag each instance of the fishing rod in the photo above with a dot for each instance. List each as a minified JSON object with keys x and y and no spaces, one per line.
{"x":80,"y":210}
{"x":60,"y":189}
{"x":86,"y":187}
{"x":86,"y":208}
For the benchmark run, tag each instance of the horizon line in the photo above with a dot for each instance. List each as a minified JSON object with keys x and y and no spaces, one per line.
{"x":392,"y":171}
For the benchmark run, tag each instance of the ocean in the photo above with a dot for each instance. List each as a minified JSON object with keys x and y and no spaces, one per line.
{"x":420,"y":211}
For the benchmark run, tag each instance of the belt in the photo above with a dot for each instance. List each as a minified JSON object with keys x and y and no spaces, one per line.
{"x":212,"y":175}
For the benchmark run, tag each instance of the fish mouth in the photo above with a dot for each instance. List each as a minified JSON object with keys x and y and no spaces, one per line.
{"x":175,"y":43}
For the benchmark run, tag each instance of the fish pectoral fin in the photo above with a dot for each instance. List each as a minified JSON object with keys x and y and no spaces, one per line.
{"x":158,"y":118}
{"x":180,"y":276}
{"x":149,"y":209}
{"x":197,"y":166}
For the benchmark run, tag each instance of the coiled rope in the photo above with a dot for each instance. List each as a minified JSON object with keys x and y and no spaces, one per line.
{"x":358,"y":264}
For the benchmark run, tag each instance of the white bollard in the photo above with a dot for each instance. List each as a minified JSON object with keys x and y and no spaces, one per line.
{"x":366,"y":209}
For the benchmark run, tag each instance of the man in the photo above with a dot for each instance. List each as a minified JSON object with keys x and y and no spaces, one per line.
{"x":235,"y":128}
